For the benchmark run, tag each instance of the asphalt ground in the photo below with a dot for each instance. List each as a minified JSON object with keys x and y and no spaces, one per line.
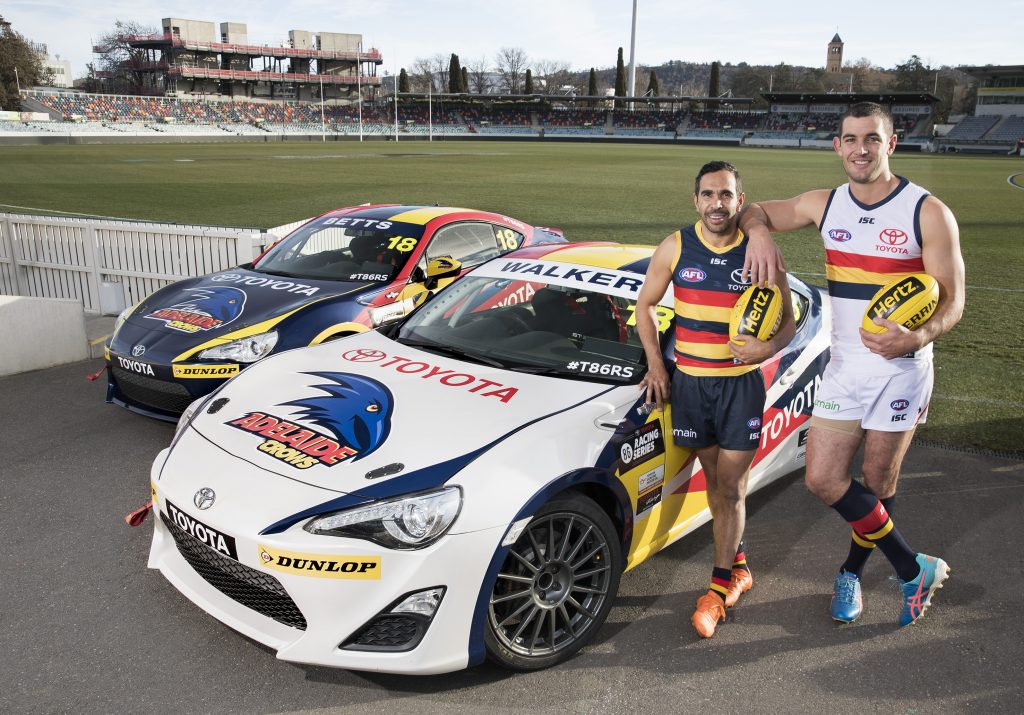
{"x":87,"y":628}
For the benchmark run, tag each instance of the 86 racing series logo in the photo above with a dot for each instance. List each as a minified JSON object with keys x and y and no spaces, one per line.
{"x":641,"y":445}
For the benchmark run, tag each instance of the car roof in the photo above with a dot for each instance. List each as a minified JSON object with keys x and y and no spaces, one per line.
{"x":420,"y":215}
{"x":616,"y":256}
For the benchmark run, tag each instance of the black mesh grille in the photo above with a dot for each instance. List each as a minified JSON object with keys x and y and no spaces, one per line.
{"x":390,"y":632}
{"x":168,"y":396}
{"x":253,"y":589}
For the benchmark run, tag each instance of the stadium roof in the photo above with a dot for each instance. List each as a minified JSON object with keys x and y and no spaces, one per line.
{"x":994,"y":71}
{"x":852,"y":97}
{"x":535,"y":98}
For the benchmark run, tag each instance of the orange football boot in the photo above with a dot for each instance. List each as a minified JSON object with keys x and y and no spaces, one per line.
{"x":710,"y":612}
{"x":739,"y":584}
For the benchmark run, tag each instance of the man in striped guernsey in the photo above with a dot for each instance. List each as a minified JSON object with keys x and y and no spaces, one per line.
{"x":717,"y":391}
{"x":877,"y":228}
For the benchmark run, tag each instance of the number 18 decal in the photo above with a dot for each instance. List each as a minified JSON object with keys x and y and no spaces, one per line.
{"x":508,"y":238}
{"x":402,"y":244}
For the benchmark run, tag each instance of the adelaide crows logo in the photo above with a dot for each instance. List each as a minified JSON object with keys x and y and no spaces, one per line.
{"x":354,"y":417}
{"x":205,"y":309}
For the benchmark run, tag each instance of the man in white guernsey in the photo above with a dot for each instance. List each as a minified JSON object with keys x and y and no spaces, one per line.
{"x":877,"y":228}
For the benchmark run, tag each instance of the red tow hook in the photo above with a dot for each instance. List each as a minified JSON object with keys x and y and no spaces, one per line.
{"x":138,"y":516}
{"x":96,"y":375}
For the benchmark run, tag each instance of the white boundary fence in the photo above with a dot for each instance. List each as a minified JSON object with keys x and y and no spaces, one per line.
{"x":109,"y":264}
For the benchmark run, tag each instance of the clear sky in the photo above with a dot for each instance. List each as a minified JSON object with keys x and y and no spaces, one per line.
{"x":580,"y":33}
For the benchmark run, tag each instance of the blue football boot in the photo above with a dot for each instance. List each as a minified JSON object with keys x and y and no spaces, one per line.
{"x":917,"y":594}
{"x":847,"y":604}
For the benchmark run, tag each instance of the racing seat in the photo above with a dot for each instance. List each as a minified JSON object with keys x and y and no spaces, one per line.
{"x":553,"y":312}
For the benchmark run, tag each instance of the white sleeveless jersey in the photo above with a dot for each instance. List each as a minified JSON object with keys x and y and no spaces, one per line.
{"x":867,"y":247}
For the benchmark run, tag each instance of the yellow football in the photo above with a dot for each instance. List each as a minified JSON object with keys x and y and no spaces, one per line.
{"x":909,"y":301}
{"x":758,"y":313}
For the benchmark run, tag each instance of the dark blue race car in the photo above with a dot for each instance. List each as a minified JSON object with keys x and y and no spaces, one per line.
{"x":342,"y":273}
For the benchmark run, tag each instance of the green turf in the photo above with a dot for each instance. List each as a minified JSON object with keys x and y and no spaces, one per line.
{"x":608,"y":192}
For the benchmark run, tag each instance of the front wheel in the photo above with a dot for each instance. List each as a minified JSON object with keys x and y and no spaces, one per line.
{"x":556,"y":586}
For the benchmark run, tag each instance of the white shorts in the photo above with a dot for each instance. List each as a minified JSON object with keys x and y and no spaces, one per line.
{"x":893,"y":403}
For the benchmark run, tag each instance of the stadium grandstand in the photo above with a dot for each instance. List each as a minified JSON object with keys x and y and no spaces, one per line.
{"x":190,"y":59}
{"x":997,"y":125}
{"x":792,"y":119}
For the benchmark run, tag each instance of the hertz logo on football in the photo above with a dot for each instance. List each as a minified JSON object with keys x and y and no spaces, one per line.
{"x":909,"y":301}
{"x":758,"y":313}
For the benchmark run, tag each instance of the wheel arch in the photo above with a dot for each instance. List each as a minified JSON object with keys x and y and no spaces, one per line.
{"x":600,"y":486}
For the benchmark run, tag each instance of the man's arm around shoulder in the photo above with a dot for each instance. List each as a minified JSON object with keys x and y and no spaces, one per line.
{"x":759,"y":220}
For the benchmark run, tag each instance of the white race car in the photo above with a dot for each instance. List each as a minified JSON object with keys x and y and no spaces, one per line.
{"x":471,"y":483}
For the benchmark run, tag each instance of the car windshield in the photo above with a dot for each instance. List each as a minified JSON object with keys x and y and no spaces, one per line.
{"x":344,"y":249}
{"x":534,"y":326}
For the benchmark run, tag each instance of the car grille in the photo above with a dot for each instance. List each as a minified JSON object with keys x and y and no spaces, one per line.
{"x":168,"y":396}
{"x":253,"y":589}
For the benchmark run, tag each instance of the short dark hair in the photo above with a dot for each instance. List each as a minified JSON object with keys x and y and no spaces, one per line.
{"x":867,"y":109}
{"x":714,"y":166}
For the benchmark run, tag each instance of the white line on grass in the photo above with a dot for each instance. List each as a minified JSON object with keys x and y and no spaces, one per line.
{"x":1014,"y":184}
{"x":972,"y":287}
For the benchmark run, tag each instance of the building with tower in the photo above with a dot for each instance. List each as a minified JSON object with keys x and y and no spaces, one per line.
{"x":834,"y":60}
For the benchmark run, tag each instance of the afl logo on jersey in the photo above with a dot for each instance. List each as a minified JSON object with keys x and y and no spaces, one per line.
{"x":692,"y":275}
{"x":899,"y":405}
{"x":839,"y":234}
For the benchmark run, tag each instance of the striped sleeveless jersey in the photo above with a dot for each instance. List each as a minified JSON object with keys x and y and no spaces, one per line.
{"x":706,"y":284}
{"x":867,"y":247}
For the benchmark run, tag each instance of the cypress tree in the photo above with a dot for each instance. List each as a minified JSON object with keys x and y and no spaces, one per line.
{"x":652,"y":85}
{"x":592,"y":84}
{"x":403,"y":81}
{"x":465,"y":79}
{"x":713,"y":89}
{"x":620,"y":79}
{"x":528,"y":84}
{"x":455,"y":85}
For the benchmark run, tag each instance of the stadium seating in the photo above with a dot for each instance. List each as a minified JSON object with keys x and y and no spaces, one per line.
{"x":972,"y":128}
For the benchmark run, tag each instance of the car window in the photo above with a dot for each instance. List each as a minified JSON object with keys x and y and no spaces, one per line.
{"x":472,"y":243}
{"x":344,"y":249}
{"x":535,"y":326}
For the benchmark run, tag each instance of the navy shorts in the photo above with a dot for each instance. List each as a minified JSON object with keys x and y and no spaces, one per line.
{"x":726,"y":411}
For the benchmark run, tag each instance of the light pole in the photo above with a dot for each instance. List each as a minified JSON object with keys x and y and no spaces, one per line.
{"x":323,"y":123}
{"x":632,"y":58}
{"x":17,"y":82}
{"x":359,"y":86}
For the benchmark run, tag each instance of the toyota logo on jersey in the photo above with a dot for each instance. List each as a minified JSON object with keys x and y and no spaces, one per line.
{"x":893,"y":236}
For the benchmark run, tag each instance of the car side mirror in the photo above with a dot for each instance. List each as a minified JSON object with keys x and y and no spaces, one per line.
{"x":442,"y":267}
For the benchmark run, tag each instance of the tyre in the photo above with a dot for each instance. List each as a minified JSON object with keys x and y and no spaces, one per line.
{"x":555,"y":587}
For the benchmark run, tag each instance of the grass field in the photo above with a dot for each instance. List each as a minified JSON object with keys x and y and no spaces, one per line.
{"x":614,"y":192}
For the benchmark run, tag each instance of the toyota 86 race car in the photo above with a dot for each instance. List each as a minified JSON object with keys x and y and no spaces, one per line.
{"x":344,"y":272}
{"x":468,"y":483}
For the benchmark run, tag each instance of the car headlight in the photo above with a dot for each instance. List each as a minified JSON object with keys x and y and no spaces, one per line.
{"x":409,"y":522}
{"x":123,"y":316}
{"x":246,"y":350}
{"x":186,"y":417}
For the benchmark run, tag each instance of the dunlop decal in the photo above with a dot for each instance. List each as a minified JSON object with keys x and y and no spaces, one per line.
{"x":361,"y":568}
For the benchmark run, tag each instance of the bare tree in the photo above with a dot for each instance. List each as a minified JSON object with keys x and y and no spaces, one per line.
{"x":551,"y":75}
{"x":119,"y":64}
{"x":511,"y":64}
{"x":479,"y":71}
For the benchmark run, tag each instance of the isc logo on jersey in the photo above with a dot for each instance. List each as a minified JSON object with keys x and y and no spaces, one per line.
{"x":909,"y":301}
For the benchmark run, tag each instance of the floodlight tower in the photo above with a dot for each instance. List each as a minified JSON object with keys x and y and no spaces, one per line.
{"x":631,"y":91}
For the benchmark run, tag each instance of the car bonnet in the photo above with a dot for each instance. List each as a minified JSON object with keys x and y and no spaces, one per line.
{"x":356,"y":412}
{"x":196,"y":311}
